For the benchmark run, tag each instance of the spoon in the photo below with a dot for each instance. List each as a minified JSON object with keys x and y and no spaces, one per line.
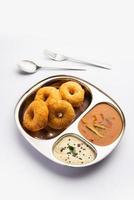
{"x":31,"y":67}
{"x":60,"y":57}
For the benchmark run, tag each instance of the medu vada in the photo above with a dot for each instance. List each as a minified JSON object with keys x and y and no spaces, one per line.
{"x":47,"y":94}
{"x":61,"y":114}
{"x":72,"y":92}
{"x":35,"y":116}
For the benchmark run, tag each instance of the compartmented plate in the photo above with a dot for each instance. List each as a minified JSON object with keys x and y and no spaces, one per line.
{"x":96,"y":130}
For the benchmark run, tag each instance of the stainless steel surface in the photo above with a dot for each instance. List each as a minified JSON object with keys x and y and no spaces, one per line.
{"x":60,"y":57}
{"x":46,"y":146}
{"x":31,"y":67}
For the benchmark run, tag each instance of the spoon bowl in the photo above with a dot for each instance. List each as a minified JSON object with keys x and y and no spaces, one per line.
{"x":27,"y":66}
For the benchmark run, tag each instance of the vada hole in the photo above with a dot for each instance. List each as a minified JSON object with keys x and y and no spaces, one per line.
{"x":45,"y":97}
{"x":31,"y":114}
{"x":71,"y":91}
{"x":59,"y":115}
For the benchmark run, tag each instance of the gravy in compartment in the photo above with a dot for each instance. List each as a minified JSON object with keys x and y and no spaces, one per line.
{"x":102,"y":125}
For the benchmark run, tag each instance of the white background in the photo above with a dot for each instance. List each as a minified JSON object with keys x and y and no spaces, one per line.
{"x":91,"y":30}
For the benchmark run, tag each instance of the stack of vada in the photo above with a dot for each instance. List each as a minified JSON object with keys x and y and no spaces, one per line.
{"x":53,"y":107}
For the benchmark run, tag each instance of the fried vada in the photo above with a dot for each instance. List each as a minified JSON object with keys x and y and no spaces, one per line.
{"x":72,"y":92}
{"x":35,"y":116}
{"x":61,"y":114}
{"x":47,"y":94}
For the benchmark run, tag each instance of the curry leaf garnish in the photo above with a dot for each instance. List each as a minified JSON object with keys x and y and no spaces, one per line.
{"x":72,"y":150}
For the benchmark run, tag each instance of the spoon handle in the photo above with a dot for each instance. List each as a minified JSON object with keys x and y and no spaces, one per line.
{"x":62,"y":68}
{"x":88,"y":63}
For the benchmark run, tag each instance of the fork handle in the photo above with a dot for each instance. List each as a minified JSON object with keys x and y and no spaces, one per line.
{"x":88,"y":63}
